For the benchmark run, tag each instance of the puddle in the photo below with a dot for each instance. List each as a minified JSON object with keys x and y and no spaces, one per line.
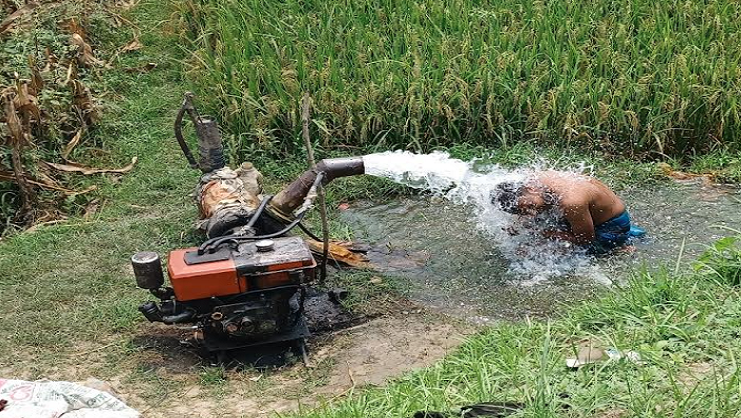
{"x":455,"y":268}
{"x":692,"y":211}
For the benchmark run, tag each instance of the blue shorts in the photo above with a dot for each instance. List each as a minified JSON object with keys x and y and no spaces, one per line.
{"x":614,"y":233}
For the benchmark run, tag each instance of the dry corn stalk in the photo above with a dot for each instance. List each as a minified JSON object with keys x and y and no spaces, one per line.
{"x":73,"y":167}
{"x":7,"y":23}
{"x":83,"y":101}
{"x":16,"y":141}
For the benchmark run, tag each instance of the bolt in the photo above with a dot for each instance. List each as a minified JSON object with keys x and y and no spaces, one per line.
{"x":247,"y":324}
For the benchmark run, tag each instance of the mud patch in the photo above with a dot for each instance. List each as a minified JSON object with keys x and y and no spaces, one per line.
{"x":367,"y":354}
{"x":324,"y":312}
{"x":613,"y":413}
{"x":694,"y":373}
{"x":388,"y":347}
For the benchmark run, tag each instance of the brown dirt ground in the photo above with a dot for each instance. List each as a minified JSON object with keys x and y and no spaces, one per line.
{"x":368,"y":354}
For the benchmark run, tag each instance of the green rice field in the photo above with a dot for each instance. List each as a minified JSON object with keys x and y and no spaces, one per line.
{"x":637,"y":78}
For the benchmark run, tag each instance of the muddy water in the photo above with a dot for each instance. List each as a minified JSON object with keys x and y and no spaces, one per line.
{"x":454,"y":267}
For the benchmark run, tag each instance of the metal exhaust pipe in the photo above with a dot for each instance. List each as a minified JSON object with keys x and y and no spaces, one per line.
{"x":210,"y":146}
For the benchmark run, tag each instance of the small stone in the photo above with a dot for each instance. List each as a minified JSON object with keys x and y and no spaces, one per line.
{"x":376,"y":280}
{"x":405,"y":312}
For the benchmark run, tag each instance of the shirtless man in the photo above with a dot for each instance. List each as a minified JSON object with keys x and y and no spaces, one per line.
{"x":592,"y":214}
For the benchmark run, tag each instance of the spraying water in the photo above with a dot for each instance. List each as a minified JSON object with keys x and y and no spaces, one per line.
{"x":457,"y":258}
{"x":531,"y":256}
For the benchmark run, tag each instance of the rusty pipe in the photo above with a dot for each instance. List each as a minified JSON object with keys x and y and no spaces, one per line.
{"x":292,"y":197}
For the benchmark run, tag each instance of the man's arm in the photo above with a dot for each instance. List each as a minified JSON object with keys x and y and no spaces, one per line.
{"x":580,"y":220}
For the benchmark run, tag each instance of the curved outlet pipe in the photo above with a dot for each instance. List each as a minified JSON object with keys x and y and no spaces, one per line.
{"x":292,"y":197}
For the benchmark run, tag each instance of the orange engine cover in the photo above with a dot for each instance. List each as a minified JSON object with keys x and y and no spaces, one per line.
{"x":198,"y":281}
{"x":241,"y":269}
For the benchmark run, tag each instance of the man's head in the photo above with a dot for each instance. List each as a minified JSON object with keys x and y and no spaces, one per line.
{"x":519,"y":197}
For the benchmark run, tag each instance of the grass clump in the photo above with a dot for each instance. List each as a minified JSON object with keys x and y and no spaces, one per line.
{"x":722,"y":261}
{"x":626,"y":77}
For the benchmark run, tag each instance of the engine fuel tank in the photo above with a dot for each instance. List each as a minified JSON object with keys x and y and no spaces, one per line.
{"x":249,"y":266}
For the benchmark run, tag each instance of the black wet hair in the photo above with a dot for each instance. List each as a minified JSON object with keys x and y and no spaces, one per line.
{"x":507,"y":194}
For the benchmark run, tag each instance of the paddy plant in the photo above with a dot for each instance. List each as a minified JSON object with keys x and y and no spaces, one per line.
{"x":636,"y":78}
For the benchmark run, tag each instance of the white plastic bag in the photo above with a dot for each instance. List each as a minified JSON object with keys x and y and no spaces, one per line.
{"x":45,"y":399}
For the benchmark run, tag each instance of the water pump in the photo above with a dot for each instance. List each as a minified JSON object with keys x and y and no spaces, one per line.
{"x":246,"y":284}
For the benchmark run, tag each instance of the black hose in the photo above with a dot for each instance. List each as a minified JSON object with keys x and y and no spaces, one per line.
{"x":259,"y":211}
{"x":250,"y":223}
{"x":309,"y":233}
{"x":185,"y":316}
{"x":236,"y":238}
{"x":179,"y":130}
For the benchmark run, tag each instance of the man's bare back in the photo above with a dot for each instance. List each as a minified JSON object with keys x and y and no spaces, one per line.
{"x":593,"y":212}
{"x":576,"y":190}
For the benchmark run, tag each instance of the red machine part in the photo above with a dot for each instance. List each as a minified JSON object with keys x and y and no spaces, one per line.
{"x":199,"y":281}
{"x":289,"y":263}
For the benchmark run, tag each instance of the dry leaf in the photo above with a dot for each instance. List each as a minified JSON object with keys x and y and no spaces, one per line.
{"x":14,"y":124}
{"x":83,"y":191}
{"x":7,"y":176}
{"x":51,"y":60}
{"x":8,"y":22}
{"x":85,"y":56}
{"x":681,"y":175}
{"x":75,"y":28}
{"x":116,"y":19}
{"x":341,"y":254}
{"x":83,"y":100}
{"x":26,"y":103}
{"x":72,"y":144}
{"x":47,"y":179}
{"x":71,"y":73}
{"x":143,"y":69}
{"x":119,"y":20}
{"x":37,"y":82}
{"x":73,"y":167}
{"x":91,"y":209}
{"x":37,"y":225}
{"x":126,"y":5}
{"x":134,"y":45}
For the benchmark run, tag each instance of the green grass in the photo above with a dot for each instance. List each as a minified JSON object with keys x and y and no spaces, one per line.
{"x":69,"y":300}
{"x":685,"y":327}
{"x":67,"y":288}
{"x":630,"y":77}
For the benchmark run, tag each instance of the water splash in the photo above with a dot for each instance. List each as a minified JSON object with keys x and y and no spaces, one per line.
{"x":530,"y":255}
